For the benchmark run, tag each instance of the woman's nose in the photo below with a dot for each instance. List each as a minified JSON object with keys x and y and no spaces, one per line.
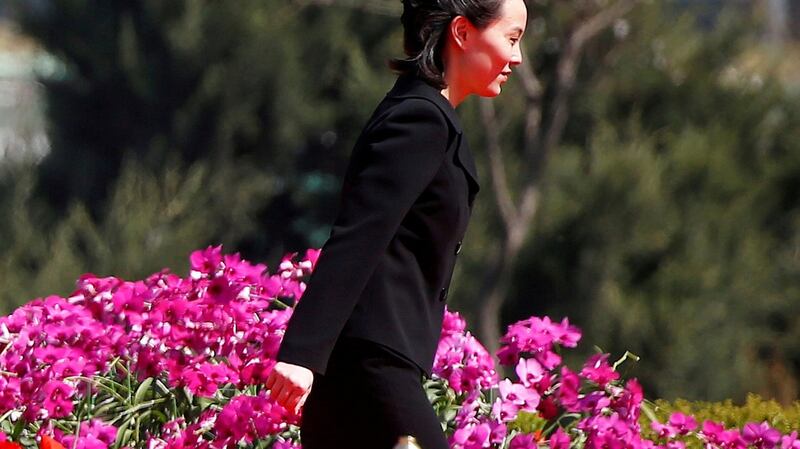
{"x":516,"y":56}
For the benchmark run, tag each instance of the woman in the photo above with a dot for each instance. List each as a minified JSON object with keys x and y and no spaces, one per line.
{"x":367,"y":327}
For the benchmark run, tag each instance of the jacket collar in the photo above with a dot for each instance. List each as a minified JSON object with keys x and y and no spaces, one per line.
{"x":412,"y":86}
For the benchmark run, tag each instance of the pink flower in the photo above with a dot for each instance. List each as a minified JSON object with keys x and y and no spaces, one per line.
{"x":682,"y":423}
{"x":94,"y":434}
{"x":57,"y":399}
{"x":221,"y":291}
{"x":523,"y":441}
{"x":50,"y":354}
{"x":598,"y":370}
{"x":537,"y":337}
{"x":548,"y":359}
{"x":198,"y":383}
{"x":517,"y":394}
{"x":504,"y":411}
{"x":566,"y":334}
{"x":471,"y":436}
{"x":236,"y":269}
{"x":548,"y":408}
{"x":222,"y":326}
{"x":73,"y":365}
{"x":593,"y":402}
{"x":609,"y":432}
{"x":664,"y":431}
{"x":312,"y":255}
{"x":250,"y":418}
{"x":530,"y":372}
{"x":628,"y":404}
{"x":206,"y":261}
{"x":790,"y":441}
{"x":568,"y":391}
{"x":676,"y":444}
{"x":762,"y":436}
{"x":559,"y":439}
{"x":462,"y":360}
{"x":498,"y":432}
{"x":452,"y":323}
{"x":129,"y":299}
{"x":716,"y":434}
{"x":468,"y":410}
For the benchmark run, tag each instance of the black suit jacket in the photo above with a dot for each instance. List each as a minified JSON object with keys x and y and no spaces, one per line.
{"x":384,"y":272}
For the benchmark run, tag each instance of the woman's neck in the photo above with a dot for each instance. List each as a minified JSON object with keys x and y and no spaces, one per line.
{"x":452,"y":92}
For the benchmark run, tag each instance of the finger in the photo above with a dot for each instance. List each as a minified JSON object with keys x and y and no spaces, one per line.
{"x":291,"y":404}
{"x":305,"y":397}
{"x":272,"y":378}
{"x":276,"y":389}
{"x":284,"y":396}
{"x":298,"y":396}
{"x":300,"y":404}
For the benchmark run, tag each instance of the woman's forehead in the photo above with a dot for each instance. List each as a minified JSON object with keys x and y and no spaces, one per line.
{"x":514,"y":14}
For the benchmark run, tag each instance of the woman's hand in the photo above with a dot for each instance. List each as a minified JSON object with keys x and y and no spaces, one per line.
{"x":289,"y":385}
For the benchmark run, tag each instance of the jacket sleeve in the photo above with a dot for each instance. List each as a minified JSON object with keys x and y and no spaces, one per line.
{"x":396,"y":160}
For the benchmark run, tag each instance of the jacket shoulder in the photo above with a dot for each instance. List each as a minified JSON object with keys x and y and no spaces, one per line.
{"x":407,"y":87}
{"x":410,"y":111}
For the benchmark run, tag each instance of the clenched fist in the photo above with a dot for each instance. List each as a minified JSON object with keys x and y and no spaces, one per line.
{"x":289,"y":385}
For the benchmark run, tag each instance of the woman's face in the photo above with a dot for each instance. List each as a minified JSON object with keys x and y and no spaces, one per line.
{"x":494,"y":50}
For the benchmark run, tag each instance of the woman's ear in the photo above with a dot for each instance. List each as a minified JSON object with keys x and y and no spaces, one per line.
{"x":459,"y":30}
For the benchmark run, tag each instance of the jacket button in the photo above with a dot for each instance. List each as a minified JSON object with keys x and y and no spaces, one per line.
{"x":443,"y":294}
{"x":458,"y":247}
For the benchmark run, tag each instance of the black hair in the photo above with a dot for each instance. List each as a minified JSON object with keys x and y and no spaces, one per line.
{"x":425,"y":24}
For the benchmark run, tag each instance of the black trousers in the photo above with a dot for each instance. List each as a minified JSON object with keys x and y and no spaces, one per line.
{"x":367,"y":399}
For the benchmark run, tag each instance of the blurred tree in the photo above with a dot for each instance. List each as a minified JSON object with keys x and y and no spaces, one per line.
{"x":154,"y":221}
{"x":668,"y":222}
{"x":547,"y":108}
{"x":648,"y":184}
{"x":264,"y":98}
{"x":266,"y":84}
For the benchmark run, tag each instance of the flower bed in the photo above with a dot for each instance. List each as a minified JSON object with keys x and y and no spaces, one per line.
{"x":180,"y":362}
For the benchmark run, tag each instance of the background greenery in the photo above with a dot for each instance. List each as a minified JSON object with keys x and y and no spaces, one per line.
{"x":669,"y":221}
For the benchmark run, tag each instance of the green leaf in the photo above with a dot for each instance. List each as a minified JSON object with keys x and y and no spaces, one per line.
{"x":189,"y":394}
{"x":142,"y":391}
{"x":123,"y":434}
{"x":205,"y":403}
{"x":27,"y":441}
{"x":142,"y":406}
{"x":3,"y":418}
{"x":450,"y":414}
{"x":18,"y":427}
{"x":163,"y":388}
{"x":139,"y":420}
{"x":109,"y":411}
{"x":648,"y":411}
{"x":626,"y":356}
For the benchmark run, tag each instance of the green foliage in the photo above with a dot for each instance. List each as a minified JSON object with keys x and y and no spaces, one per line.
{"x":273,"y":85}
{"x":669,"y":220}
{"x":754,"y":409}
{"x":444,"y":400}
{"x":154,"y":220}
{"x":138,"y":408}
{"x":668,"y":225}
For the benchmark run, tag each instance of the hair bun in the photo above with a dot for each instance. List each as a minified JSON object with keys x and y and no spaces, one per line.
{"x":425,"y":32}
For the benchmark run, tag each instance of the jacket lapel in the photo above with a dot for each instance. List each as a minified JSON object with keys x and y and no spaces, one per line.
{"x":410,"y":86}
{"x":468,"y":163}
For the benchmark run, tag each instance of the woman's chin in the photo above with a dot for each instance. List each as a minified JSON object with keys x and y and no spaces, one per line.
{"x":492,"y":90}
